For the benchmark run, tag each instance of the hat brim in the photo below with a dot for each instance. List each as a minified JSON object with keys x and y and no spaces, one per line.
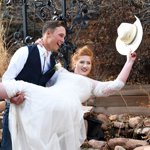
{"x":123,"y":48}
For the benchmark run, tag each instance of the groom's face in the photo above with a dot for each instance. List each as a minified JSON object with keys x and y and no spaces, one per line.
{"x":56,"y":38}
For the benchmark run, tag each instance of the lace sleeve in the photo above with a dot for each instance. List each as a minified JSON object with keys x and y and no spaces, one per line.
{"x":107,"y":88}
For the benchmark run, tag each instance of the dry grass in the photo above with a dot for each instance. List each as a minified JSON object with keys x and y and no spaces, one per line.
{"x":4,"y":56}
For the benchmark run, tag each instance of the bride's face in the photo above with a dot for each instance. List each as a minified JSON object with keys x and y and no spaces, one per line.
{"x":83,"y":65}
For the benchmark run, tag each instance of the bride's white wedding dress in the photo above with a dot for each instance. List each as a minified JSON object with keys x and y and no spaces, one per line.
{"x":52,"y":118}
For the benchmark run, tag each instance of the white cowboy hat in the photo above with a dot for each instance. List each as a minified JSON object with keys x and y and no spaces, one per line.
{"x":129,"y":37}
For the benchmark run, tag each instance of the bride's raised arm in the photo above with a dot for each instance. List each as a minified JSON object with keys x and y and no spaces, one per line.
{"x":110,"y":87}
{"x":124,"y":74}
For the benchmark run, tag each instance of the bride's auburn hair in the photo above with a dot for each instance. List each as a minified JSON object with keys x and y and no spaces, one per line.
{"x":82,"y":51}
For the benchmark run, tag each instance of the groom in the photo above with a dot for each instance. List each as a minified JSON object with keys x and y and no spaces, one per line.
{"x":33,"y":64}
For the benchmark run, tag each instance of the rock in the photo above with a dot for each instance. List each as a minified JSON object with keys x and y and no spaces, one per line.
{"x":144,"y":131}
{"x":119,"y":125}
{"x":113,"y":117}
{"x":143,"y":148}
{"x":105,"y":121}
{"x":126,"y":143}
{"x":133,"y":122}
{"x":123,"y":117}
{"x":96,"y":144}
{"x":147,"y":122}
{"x":119,"y":148}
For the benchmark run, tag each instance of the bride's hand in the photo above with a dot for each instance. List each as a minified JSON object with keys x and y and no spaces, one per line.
{"x":131,"y":57}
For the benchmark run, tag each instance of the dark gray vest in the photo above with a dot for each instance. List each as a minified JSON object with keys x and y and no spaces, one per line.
{"x":32,"y":72}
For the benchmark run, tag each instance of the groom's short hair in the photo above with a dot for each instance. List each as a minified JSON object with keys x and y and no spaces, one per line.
{"x":52,"y":25}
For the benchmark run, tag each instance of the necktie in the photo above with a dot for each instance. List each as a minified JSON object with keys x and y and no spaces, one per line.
{"x":48,"y":74}
{"x":44,"y":64}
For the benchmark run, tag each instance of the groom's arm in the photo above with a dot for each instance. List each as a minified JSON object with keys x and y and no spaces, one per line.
{"x":16,"y":64}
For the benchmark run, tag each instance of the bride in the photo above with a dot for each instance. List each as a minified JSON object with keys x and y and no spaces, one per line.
{"x":63,"y":127}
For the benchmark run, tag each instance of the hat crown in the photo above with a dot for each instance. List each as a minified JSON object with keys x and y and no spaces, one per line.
{"x":127,"y":32}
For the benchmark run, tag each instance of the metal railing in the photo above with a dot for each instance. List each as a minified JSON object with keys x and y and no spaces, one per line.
{"x":74,"y":16}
